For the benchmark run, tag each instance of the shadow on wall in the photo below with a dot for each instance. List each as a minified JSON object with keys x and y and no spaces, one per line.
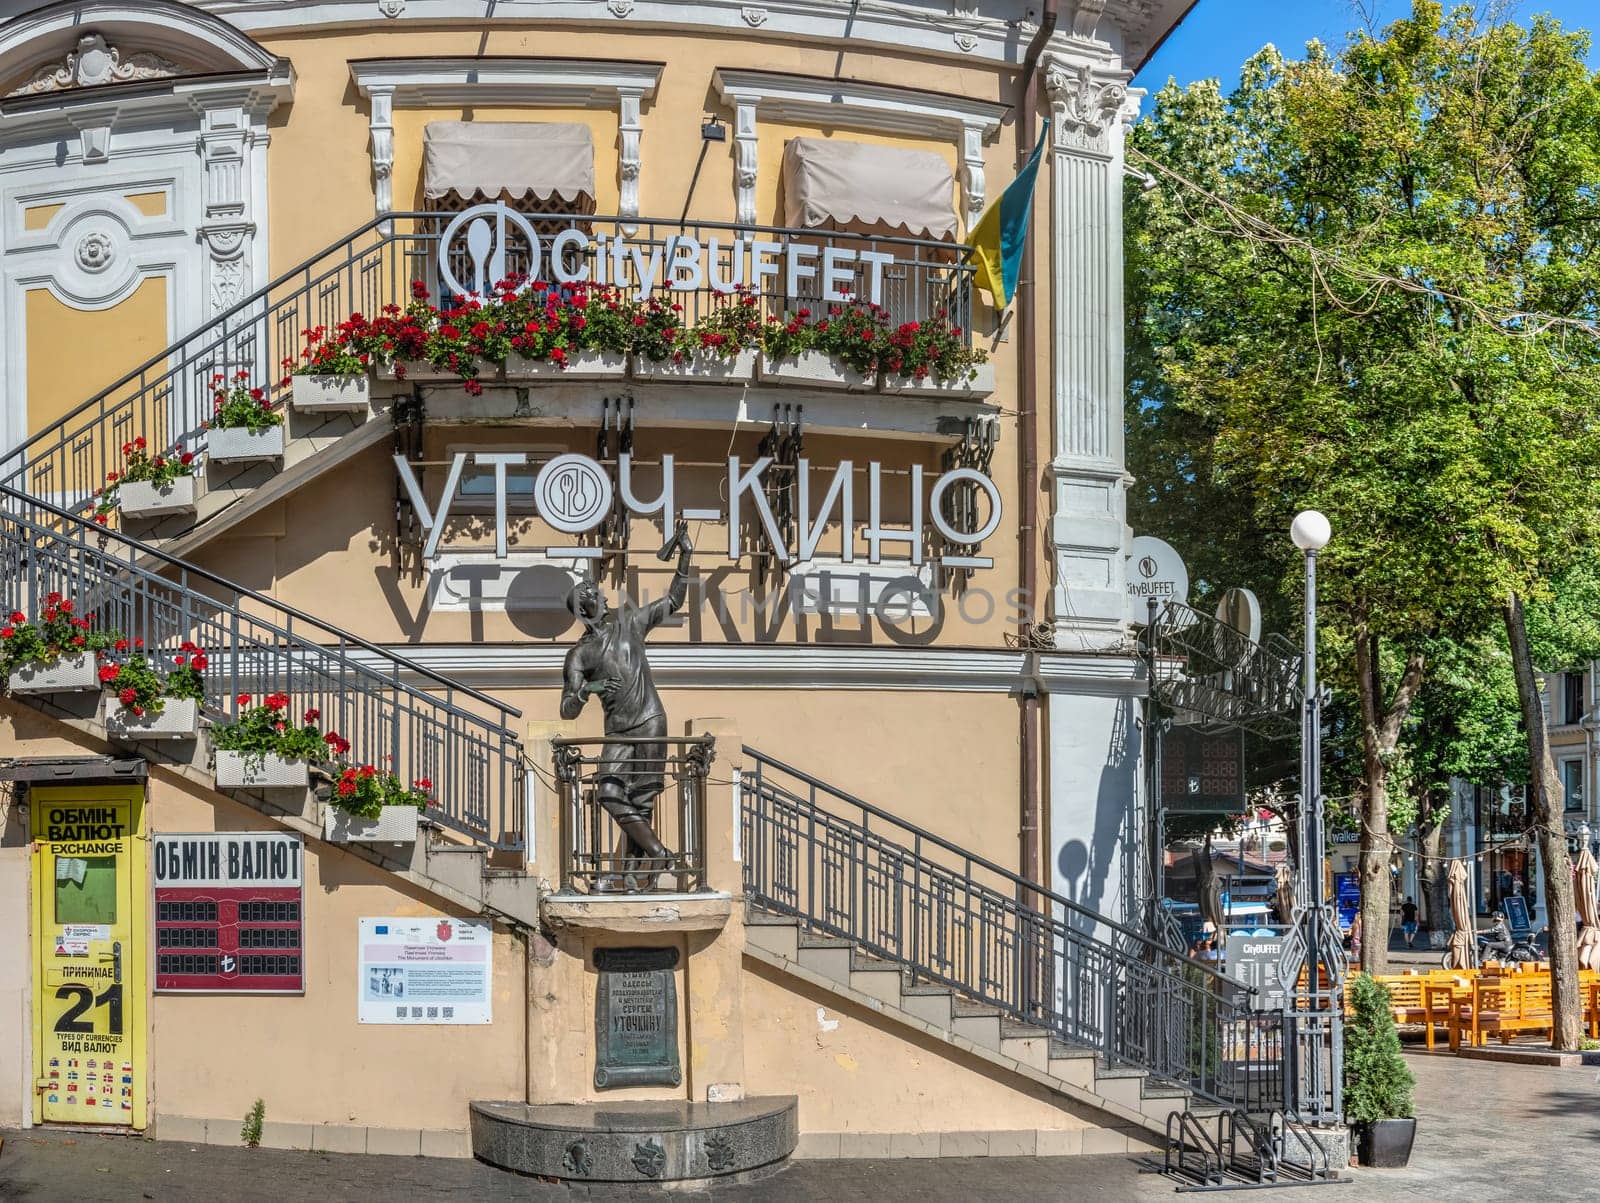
{"x":1094,"y":873}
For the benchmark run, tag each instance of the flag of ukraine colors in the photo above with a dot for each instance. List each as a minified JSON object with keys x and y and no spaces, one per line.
{"x":998,"y":238}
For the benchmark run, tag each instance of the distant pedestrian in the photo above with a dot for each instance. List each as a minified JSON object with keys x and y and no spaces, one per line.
{"x":1355,"y":939}
{"x":1408,"y":920}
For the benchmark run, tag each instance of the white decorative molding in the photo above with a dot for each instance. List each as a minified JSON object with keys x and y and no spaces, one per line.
{"x":96,"y":62}
{"x":628,"y":131}
{"x":796,"y":666}
{"x":227,"y":228}
{"x":824,"y":101}
{"x":381,"y":130}
{"x":753,"y":16}
{"x":966,"y":42}
{"x":391,"y":8}
{"x":867,"y":24}
{"x":1086,"y":104}
{"x":94,"y":251}
{"x":425,"y":83}
{"x":94,"y":143}
{"x":619,"y":8}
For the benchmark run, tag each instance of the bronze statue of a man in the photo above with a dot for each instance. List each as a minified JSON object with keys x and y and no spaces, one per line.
{"x":609,"y":660}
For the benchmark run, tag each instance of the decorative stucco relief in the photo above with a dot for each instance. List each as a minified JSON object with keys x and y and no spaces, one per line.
{"x":94,"y":63}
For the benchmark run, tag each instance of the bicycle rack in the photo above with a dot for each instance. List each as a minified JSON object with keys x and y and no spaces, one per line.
{"x":1234,"y":1150}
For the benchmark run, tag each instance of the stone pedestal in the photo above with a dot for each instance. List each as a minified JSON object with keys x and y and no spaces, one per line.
{"x":636,"y":1142}
{"x":704,"y":931}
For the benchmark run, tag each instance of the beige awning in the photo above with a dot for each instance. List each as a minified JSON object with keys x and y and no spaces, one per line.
{"x":833,"y":184}
{"x":546,"y":160}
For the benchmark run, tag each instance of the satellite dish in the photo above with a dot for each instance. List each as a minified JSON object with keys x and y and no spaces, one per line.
{"x":1240,"y":610}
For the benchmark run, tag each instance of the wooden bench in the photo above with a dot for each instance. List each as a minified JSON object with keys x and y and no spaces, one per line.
{"x":1448,"y":1002}
{"x":1508,"y":1007}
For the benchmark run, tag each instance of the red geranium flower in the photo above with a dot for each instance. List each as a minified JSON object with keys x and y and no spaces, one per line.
{"x":126,"y":696}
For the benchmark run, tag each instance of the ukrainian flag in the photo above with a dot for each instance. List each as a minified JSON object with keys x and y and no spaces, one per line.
{"x":998,"y":238}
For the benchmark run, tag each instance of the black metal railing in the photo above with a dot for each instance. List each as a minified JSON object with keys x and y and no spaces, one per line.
{"x":168,"y":398}
{"x":848,"y":869}
{"x":434,"y":730}
{"x":665,"y":776}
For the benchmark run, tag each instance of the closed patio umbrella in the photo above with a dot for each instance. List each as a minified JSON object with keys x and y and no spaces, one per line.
{"x":1588,"y":879}
{"x":1461,"y":951}
{"x":1283,"y":893}
{"x":1208,"y":887}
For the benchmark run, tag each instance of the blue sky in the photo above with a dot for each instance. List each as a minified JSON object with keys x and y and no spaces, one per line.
{"x":1218,"y":35}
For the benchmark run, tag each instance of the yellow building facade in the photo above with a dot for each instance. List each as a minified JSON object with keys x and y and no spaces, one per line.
{"x":903,"y":627}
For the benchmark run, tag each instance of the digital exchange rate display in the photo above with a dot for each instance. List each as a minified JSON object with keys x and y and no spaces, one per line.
{"x":229,"y":911}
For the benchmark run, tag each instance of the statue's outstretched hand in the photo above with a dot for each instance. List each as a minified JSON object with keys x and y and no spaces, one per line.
{"x":681,"y":531}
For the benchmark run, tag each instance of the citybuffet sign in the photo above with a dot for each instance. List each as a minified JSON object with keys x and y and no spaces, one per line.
{"x":574,"y":494}
{"x":678,"y":263}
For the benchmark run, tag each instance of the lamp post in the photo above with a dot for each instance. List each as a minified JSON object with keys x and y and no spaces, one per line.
{"x":1310,"y":533}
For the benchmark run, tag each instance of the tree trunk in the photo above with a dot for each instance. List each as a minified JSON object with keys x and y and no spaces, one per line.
{"x":1544,"y":811}
{"x":1430,"y":880}
{"x":1380,"y":734}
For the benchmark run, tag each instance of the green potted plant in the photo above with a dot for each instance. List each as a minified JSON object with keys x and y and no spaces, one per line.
{"x":569,"y":332}
{"x":57,"y":653}
{"x":835,"y":348}
{"x":148,"y":486}
{"x":1377,"y":1083}
{"x":719,"y":348}
{"x":264,"y":749}
{"x":243,"y":424}
{"x":932,"y":358}
{"x":146,"y":702}
{"x":331,"y":376}
{"x":372,"y":806}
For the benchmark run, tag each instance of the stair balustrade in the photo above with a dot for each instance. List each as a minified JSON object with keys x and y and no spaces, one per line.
{"x":848,"y":869}
{"x":397,"y":715}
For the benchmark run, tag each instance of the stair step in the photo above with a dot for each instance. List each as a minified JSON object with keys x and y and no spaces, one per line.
{"x":808,"y":940}
{"x":1061,"y":1050}
{"x":760,"y":918}
{"x":782,"y":939}
{"x":1075,"y":1071}
{"x":829,"y":959}
{"x":880,"y":981}
{"x":1120,"y":1089}
{"x":931,"y":1004}
{"x":983,"y":1030}
{"x":1026,"y":1044}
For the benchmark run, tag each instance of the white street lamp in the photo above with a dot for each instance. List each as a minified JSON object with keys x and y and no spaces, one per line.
{"x":1311,"y":532}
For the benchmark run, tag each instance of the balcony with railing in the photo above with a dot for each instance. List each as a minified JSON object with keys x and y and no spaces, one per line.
{"x":694,"y":266}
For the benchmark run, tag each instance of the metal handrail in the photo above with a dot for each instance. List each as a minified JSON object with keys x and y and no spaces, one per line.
{"x":149,"y":553}
{"x":1125,"y":933}
{"x":166,"y":397}
{"x":259,"y":646}
{"x":1131,"y":999}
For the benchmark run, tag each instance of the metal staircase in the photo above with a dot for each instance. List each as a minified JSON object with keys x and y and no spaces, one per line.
{"x":845,"y":893}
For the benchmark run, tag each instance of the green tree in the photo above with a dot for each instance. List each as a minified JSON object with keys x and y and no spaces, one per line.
{"x":1370,"y":280}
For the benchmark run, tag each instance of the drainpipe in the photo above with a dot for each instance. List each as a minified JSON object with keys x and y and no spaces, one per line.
{"x":1028,"y":464}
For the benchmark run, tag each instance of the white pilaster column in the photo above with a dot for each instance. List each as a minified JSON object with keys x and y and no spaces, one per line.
{"x":629,"y":130}
{"x":1088,"y":528}
{"x":226,"y":227}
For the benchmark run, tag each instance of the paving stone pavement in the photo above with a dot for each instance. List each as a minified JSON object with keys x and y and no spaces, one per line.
{"x":1486,"y":1132}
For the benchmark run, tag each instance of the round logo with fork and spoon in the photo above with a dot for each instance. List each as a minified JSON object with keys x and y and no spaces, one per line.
{"x":572,"y":493}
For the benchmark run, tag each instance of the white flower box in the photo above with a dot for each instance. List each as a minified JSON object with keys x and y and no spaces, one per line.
{"x":228,"y":443}
{"x":420,"y":371}
{"x":394,"y":825}
{"x":68,"y":674}
{"x":580,"y":365}
{"x":330,"y":394}
{"x":980,"y":384}
{"x":244,"y":770}
{"x":814,"y":369}
{"x":179,"y":719}
{"x":701,"y":369}
{"x":142,"y":499}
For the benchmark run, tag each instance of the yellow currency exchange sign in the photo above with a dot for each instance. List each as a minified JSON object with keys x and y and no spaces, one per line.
{"x":90,"y":959}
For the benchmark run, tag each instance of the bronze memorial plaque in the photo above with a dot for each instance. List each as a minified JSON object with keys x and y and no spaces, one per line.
{"x":636,"y":1018}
